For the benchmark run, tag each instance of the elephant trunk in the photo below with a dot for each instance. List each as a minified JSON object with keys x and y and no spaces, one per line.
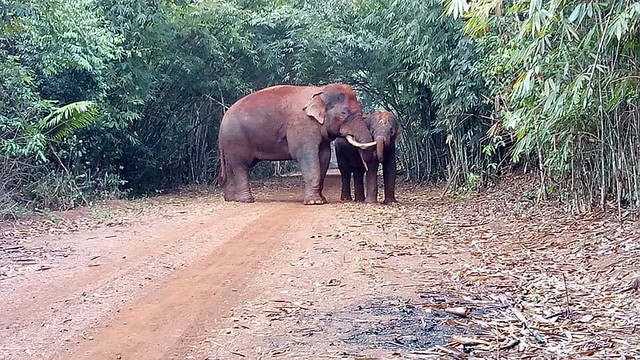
{"x":380,"y":148}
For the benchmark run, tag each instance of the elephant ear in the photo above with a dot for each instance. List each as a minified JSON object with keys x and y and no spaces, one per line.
{"x":316,"y":108}
{"x":398,"y":135}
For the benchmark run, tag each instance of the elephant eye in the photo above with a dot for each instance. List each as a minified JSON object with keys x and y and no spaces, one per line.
{"x":335,"y":100}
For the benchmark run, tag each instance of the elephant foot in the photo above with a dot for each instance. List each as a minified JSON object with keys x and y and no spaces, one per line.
{"x":390,"y":200}
{"x":371,"y":201}
{"x":317,"y":199}
{"x":359,"y":199}
{"x":345,"y":197}
{"x":240,"y":198}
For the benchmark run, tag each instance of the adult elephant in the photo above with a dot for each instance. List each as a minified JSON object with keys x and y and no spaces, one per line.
{"x":386,"y":131}
{"x":288,"y":122}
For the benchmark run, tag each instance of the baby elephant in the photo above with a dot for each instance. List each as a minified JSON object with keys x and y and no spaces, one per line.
{"x":386,"y":131}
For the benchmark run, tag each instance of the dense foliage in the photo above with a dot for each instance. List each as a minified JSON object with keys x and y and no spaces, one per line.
{"x":565,"y":76}
{"x":103,"y":97}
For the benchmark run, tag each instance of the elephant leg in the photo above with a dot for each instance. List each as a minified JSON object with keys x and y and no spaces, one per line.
{"x":389,"y":176}
{"x":358,"y":184}
{"x":237,"y":188}
{"x":345,"y":191}
{"x":325,"y":158}
{"x":309,"y":161}
{"x":372,"y":184}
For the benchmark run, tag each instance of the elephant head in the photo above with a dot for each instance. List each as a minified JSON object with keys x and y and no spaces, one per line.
{"x":386,"y":131}
{"x":337,"y":109}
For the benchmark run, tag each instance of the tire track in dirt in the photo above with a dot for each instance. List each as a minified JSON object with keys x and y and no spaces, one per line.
{"x":162,"y":323}
{"x":133,"y":252}
{"x":43,"y":312}
{"x":152,"y":286}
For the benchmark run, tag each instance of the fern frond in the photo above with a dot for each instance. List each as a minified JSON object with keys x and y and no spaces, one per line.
{"x":67,"y":119}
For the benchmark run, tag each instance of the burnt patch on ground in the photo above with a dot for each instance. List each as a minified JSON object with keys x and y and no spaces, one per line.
{"x":396,"y":324}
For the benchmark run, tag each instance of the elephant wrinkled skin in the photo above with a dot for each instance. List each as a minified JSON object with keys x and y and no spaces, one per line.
{"x":287,"y":122}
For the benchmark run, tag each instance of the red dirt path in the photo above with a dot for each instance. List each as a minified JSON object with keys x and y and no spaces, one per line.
{"x":192,"y":277}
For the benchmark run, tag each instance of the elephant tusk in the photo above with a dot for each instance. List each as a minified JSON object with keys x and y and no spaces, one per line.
{"x":363,"y":146}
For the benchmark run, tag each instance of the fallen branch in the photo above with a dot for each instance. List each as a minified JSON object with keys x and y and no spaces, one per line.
{"x":469,"y":341}
{"x":458,"y":311}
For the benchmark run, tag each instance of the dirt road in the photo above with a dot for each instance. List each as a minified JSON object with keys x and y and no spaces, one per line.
{"x":150,"y":287}
{"x":191,"y":277}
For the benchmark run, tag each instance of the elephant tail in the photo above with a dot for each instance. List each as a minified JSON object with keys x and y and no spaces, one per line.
{"x":222,"y":178}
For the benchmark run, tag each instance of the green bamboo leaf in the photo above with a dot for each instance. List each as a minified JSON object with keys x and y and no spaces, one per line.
{"x":457,"y":8}
{"x":577,"y":12}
